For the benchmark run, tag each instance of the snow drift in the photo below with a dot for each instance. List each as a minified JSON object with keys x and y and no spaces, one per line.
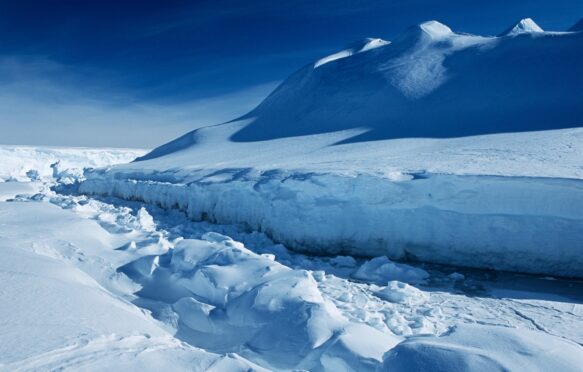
{"x":497,"y":349}
{"x":223,"y":296}
{"x":438,"y":146}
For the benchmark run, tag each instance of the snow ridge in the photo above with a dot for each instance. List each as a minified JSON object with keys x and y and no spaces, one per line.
{"x":354,"y":48}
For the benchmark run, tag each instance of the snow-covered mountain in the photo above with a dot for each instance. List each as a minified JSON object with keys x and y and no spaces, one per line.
{"x":430,"y":82}
{"x":438,"y":146}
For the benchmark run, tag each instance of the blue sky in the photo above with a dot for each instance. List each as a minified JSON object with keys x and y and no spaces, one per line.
{"x":138,"y":73}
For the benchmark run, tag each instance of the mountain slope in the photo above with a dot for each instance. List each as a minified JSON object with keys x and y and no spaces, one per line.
{"x":432,"y":82}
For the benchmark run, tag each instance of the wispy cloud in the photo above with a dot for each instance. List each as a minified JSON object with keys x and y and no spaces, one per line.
{"x":42,"y":103}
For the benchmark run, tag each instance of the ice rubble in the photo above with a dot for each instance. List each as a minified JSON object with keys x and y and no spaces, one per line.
{"x":358,"y":155}
{"x":23,"y":163}
{"x":223,"y":296}
{"x":380,"y":270}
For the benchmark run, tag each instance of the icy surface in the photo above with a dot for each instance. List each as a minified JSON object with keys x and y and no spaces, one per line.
{"x":23,"y":163}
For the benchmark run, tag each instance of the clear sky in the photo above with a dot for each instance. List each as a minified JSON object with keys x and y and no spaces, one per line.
{"x":139,"y":73}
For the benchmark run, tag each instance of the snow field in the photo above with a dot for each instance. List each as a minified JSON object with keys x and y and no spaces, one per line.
{"x":206,"y":288}
{"x":56,"y":311}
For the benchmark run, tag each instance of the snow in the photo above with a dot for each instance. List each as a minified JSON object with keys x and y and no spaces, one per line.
{"x":402,"y":293}
{"x":55,"y":315}
{"x":435,"y":30}
{"x":357,"y":47}
{"x":183,"y":259}
{"x":99,"y":284}
{"x":461,"y":350}
{"x":21,"y":163}
{"x":222,"y":295}
{"x":325,"y":164}
{"x":513,"y":223}
{"x":380,"y":269}
{"x":526,"y":25}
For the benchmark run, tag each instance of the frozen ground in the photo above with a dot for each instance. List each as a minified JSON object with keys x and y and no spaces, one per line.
{"x":99,"y":283}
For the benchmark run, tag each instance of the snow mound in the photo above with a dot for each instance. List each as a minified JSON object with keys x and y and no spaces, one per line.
{"x":402,"y":293}
{"x":482,"y":348}
{"x":381,"y":269}
{"x":524,"y":26}
{"x":223,"y":296}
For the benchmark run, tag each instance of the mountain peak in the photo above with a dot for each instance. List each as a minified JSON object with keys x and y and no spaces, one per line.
{"x":524,"y":26}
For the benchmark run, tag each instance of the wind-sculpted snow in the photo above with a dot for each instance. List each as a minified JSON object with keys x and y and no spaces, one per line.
{"x":223,"y":296}
{"x":461,"y":350}
{"x":429,"y":82}
{"x":62,"y":307}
